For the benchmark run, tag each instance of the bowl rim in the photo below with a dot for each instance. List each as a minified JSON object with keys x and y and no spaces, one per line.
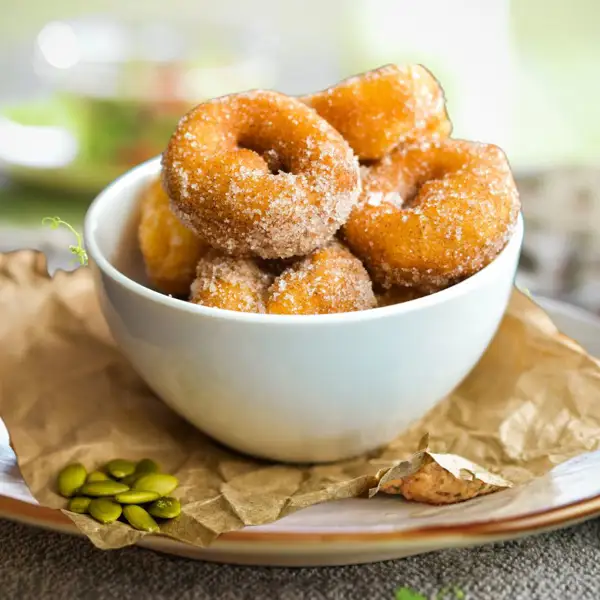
{"x":151,"y":168}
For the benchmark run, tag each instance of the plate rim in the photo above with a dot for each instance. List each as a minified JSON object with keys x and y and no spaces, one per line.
{"x":477,"y":532}
{"x":423,"y":536}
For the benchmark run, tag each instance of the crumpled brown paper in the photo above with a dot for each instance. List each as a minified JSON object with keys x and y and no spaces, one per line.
{"x":66,"y":394}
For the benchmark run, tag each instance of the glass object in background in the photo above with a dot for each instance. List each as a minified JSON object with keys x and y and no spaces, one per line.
{"x":118,"y":89}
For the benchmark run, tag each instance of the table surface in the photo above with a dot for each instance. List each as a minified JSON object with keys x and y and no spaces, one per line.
{"x":45,"y":565}
{"x":38,"y":564}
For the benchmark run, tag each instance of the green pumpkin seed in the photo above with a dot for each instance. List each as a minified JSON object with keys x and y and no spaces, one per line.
{"x":136,"y":497}
{"x":97,"y":476}
{"x":161,"y":483}
{"x":103,"y":488}
{"x":79,"y":504}
{"x":104,"y":510}
{"x":120,"y":468}
{"x":70,"y":479}
{"x":140,"y":519}
{"x":147,"y":465}
{"x":165,"y":508}
{"x":130,"y":479}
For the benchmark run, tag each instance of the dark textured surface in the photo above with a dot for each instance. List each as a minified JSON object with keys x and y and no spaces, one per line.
{"x":37,"y":564}
{"x":40,"y":565}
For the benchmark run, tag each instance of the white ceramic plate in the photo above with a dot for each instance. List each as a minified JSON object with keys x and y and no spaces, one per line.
{"x":357,"y":531}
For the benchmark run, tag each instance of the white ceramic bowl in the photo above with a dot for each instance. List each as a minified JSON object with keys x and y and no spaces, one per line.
{"x":290,"y":388}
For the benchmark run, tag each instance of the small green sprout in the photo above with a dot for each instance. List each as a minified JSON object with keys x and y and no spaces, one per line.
{"x":78,"y":250}
{"x":524,"y":290}
{"x":405,"y":593}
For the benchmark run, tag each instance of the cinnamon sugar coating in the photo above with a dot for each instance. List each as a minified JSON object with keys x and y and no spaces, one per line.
{"x":170,"y":250}
{"x":260,"y":174}
{"x":433,"y":213}
{"x":230,"y":283}
{"x":330,"y":280}
{"x":267,"y":181}
{"x":381,"y":109}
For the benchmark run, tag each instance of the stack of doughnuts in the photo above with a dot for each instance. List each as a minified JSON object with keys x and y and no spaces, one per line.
{"x":334,"y":202}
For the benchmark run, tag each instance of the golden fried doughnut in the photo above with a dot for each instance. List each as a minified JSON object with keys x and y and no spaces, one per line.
{"x":230,"y":283}
{"x":330,"y":280}
{"x":433,"y":213}
{"x":380,"y":109}
{"x":170,"y":250}
{"x":217,"y":170}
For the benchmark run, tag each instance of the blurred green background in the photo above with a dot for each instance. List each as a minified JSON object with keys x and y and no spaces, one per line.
{"x":91,"y":88}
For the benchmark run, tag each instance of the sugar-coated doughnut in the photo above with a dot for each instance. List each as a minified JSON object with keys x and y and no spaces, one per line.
{"x":231,"y":283}
{"x":330,"y":280}
{"x":170,"y":250}
{"x":433,"y":213}
{"x":380,"y":109}
{"x":261,"y":174}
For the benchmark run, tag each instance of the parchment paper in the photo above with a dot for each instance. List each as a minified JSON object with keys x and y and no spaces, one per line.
{"x":66,"y":394}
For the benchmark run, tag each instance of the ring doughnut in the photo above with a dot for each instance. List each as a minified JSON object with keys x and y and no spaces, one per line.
{"x":433,"y":213}
{"x":380,"y":109}
{"x":217,"y":169}
{"x":330,"y":280}
{"x":230,"y":283}
{"x":169,"y":249}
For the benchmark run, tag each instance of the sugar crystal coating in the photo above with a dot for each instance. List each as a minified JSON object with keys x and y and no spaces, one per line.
{"x":260,"y":173}
{"x":268,"y":180}
{"x":381,"y":109}
{"x":433,"y":213}
{"x":231,"y":283}
{"x":330,"y":280}
{"x":170,"y":250}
